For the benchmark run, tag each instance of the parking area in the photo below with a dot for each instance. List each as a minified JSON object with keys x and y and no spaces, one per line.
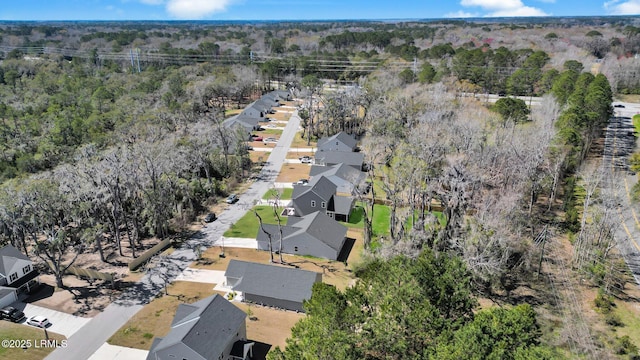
{"x":61,"y":323}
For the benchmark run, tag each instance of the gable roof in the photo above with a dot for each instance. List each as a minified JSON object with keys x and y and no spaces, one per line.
{"x":246,"y":122}
{"x":205,"y":327}
{"x":277,"y":282}
{"x":316,"y":226}
{"x":336,"y":157}
{"x":321,"y":186}
{"x":342,"y":170}
{"x":342,"y":137}
{"x":321,"y":227}
{"x":10,"y":260}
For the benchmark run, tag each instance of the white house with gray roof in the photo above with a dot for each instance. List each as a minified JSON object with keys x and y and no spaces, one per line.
{"x":210,"y":329}
{"x":315,"y":234}
{"x":271,"y":285}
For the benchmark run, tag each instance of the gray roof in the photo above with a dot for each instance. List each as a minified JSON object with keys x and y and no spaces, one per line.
{"x":342,"y":204}
{"x":343,"y":171}
{"x":321,"y":227}
{"x":9,"y":255}
{"x":316,"y":226}
{"x":246,"y":122}
{"x":277,"y":282}
{"x":355,"y":159}
{"x":321,"y":186}
{"x":205,"y":328}
{"x":342,"y":137}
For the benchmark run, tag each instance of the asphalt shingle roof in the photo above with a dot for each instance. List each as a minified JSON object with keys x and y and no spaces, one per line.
{"x":277,"y":282}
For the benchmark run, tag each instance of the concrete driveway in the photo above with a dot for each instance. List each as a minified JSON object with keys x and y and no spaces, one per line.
{"x":112,"y":352}
{"x":61,"y":323}
{"x":246,"y":243}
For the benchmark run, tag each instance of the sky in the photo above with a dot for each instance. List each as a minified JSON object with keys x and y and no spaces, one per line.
{"x":304,"y":9}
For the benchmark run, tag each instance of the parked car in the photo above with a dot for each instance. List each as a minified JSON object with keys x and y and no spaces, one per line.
{"x":39,"y":321}
{"x":302,"y":182}
{"x":618,"y":105}
{"x":12,"y":314}
{"x":210,"y":217}
{"x":306,"y":160}
{"x":270,"y":140}
{"x":257,"y":138}
{"x":233,"y":198}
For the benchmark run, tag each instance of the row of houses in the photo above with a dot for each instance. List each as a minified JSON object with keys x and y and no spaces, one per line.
{"x":318,"y":205}
{"x":252,"y":116}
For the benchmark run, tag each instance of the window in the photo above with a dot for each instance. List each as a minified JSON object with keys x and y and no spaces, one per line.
{"x":13,"y":277}
{"x":26,"y":269}
{"x":323,"y":204}
{"x":295,"y":248}
{"x":313,"y":203}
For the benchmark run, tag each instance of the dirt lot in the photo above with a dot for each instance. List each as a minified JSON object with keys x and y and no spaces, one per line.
{"x":293,"y":172}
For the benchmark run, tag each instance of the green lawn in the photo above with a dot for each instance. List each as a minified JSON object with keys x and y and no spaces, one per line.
{"x":248,"y":225}
{"x":381,"y":219}
{"x":21,"y":335}
{"x":636,"y":124}
{"x":285,"y":194}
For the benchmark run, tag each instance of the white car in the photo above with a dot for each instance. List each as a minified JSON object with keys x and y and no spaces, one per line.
{"x":39,"y":321}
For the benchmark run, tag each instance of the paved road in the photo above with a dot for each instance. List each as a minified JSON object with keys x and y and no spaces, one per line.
{"x":619,"y":144}
{"x":83,"y":344}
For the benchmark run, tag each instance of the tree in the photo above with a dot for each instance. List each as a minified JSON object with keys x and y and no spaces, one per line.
{"x":511,"y":109}
{"x":313,"y":85}
{"x":427,"y":73}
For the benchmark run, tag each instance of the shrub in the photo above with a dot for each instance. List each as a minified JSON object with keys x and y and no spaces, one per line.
{"x":613,"y":319}
{"x":604,"y":302}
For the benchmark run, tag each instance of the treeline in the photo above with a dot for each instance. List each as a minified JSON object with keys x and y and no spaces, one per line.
{"x":405,"y":308}
{"x":49,"y":108}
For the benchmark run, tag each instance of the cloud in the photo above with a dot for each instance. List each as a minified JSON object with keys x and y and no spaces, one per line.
{"x":460,"y":14}
{"x":618,"y":7}
{"x":191,"y":9}
{"x":196,"y":9}
{"x":505,"y":8}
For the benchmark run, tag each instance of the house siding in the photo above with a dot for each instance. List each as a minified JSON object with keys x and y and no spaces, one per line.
{"x":279,"y":303}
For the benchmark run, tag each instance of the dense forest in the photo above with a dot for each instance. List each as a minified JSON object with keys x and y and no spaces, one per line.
{"x":112,"y":133}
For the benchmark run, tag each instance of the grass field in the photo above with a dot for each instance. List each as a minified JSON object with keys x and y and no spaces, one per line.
{"x":299,"y":142}
{"x":285,"y":194}
{"x":29,"y":336}
{"x":636,"y":124}
{"x":248,"y":225}
{"x":293,"y":172}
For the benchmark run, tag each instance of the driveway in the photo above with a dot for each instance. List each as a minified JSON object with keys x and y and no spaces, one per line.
{"x":112,"y":352}
{"x":61,"y":323}
{"x":96,"y":332}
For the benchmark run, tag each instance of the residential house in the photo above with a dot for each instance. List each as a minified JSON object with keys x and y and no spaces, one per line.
{"x":17,"y":274}
{"x":258,"y":109}
{"x":320,"y":195}
{"x":245,"y":123}
{"x":345,"y":177}
{"x":209,"y":329}
{"x":338,"y":142}
{"x":271,"y":285}
{"x":328,"y":158}
{"x":315,"y":234}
